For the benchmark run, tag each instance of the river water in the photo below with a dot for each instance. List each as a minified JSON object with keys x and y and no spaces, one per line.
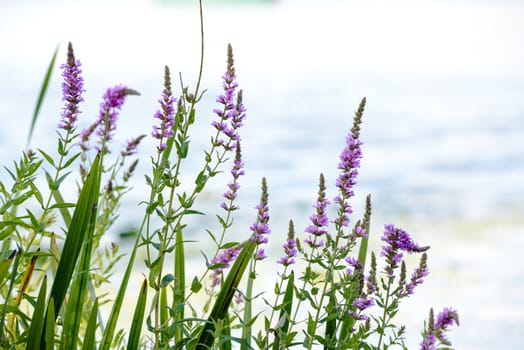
{"x":443,"y":131}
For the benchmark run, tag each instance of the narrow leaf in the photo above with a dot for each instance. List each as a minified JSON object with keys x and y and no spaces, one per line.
{"x":138,"y":318}
{"x":225,"y":295}
{"x":83,"y":215}
{"x":37,"y":323}
{"x":89,"y":337}
{"x":41,"y":96}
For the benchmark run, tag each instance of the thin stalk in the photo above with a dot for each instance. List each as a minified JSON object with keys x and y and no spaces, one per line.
{"x":382,"y":328}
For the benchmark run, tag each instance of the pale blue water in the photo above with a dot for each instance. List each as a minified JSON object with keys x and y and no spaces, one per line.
{"x":443,"y":130}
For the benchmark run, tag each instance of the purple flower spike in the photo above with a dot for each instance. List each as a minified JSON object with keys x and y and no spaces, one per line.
{"x":319,"y":220}
{"x":232,"y":112}
{"x":236,"y":171}
{"x":290,"y":247}
{"x":354,"y":263}
{"x":166,"y":113}
{"x":446,"y":318}
{"x":131,"y":146}
{"x":417,"y":277}
{"x":72,"y":88}
{"x":397,"y":241}
{"x":260,"y":228}
{"x":224,"y":258}
{"x":349,"y":164}
{"x":113,"y":100}
{"x":436,"y":330}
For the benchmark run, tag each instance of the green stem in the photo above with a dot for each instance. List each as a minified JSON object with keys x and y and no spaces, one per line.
{"x":383,"y":319}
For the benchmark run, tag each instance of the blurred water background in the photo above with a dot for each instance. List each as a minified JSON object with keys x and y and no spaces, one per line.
{"x":443,"y":130}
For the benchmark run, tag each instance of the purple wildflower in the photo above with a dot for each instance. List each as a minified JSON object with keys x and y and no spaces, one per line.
{"x":429,"y":342}
{"x":224,"y":258}
{"x":131,"y":146}
{"x":236,"y":171}
{"x":232,"y":113}
{"x":166,"y":113}
{"x":113,"y":100}
{"x":319,"y":220}
{"x":361,"y":304}
{"x":239,"y":298}
{"x":260,"y":228}
{"x":349,"y":164}
{"x":72,"y":88}
{"x":354,"y":263}
{"x":397,"y":241}
{"x":361,"y":232}
{"x":436,"y":330}
{"x":416,"y":278}
{"x":290,"y":247}
{"x":260,"y":254}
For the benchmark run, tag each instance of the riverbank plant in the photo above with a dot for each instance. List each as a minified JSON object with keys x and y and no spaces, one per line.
{"x":330,"y":291}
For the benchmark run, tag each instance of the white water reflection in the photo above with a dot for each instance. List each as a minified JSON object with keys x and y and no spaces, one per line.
{"x":443,"y":130}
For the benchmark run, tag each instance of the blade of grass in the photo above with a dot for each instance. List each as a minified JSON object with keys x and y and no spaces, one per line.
{"x":109,"y":331}
{"x":89,"y":337}
{"x":179,"y":292}
{"x":37,"y":323}
{"x":12,"y":282}
{"x":49,"y":327}
{"x":77,"y":295}
{"x":163,"y":313}
{"x":41,"y":95}
{"x":225,"y":295}
{"x":82,"y":217}
{"x":363,"y":249}
{"x":331,"y":324}
{"x":138,"y":318}
{"x":285,"y":312}
{"x":4,"y":267}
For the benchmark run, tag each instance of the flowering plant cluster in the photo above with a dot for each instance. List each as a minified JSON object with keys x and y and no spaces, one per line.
{"x":330,"y":292}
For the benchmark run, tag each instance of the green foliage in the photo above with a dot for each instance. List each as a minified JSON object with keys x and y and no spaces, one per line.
{"x":47,"y":238}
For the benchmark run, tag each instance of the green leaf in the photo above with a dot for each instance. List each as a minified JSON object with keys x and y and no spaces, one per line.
{"x":47,"y":157}
{"x":196,"y":285}
{"x":180,"y":286}
{"x":109,"y":331}
{"x":78,"y":292}
{"x":49,"y":327}
{"x":138,"y":318}
{"x":41,"y":95}
{"x":83,"y":217}
{"x":4,"y":266}
{"x":37,"y":323}
{"x":166,"y":280}
{"x":90,"y":334}
{"x":225,"y":295}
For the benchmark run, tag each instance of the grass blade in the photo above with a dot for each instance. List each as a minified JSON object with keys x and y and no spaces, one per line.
{"x":138,"y":318}
{"x":109,"y":331}
{"x":225,"y":295}
{"x":163,"y":313}
{"x":49,"y":330}
{"x":179,"y":292}
{"x":77,"y":295}
{"x":4,"y":267}
{"x":363,"y":250}
{"x":37,"y":323}
{"x":89,"y":337}
{"x":285,"y":312}
{"x":41,"y":95}
{"x":83,"y":216}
